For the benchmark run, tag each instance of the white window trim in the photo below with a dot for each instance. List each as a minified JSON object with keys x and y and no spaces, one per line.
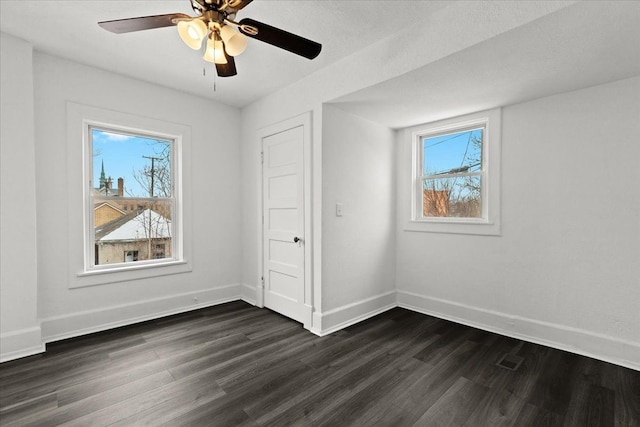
{"x":489,"y":223}
{"x":82,"y":272}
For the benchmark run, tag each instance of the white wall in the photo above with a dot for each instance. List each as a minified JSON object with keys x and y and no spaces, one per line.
{"x":358,"y":248}
{"x":19,"y":328}
{"x":40,"y":231}
{"x":566,"y":269}
{"x":211,"y":201}
{"x":450,"y":30}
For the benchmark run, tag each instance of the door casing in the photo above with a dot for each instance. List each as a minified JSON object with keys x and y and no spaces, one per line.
{"x":303,"y":120}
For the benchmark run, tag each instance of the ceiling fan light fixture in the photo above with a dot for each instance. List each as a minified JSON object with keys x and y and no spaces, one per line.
{"x":226,"y":38}
{"x":235,"y":43}
{"x":215,"y":52}
{"x":192,"y":32}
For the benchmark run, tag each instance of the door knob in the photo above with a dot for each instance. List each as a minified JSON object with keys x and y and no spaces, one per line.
{"x":297,"y":239}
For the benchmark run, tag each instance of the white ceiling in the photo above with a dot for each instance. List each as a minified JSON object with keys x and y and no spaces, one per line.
{"x":584,"y":44}
{"x":69,"y":29}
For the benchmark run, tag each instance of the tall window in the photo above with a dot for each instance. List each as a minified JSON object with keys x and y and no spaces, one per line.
{"x":132,"y":203}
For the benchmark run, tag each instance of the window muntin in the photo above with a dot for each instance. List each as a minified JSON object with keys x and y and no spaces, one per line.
{"x":133,"y":215}
{"x":452,"y":169}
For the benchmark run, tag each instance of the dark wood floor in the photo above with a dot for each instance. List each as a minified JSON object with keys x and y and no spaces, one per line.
{"x":237,"y":365}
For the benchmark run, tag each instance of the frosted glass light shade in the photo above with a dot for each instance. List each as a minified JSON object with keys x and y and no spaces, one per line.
{"x":234,"y":42}
{"x":215,"y":52}
{"x":192,"y":32}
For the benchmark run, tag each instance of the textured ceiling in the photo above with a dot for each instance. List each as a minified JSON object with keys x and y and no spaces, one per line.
{"x":583,"y":45}
{"x":572,"y":45}
{"x":69,"y":29}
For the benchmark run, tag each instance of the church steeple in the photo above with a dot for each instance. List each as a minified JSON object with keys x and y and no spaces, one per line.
{"x":103,"y":178}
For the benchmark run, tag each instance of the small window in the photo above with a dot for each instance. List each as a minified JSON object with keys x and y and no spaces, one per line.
{"x":130,"y":256}
{"x":452,"y":174}
{"x":456,"y":175}
{"x":159,"y":251}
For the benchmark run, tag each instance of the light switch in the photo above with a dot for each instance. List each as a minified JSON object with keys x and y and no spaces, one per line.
{"x":338,"y":209}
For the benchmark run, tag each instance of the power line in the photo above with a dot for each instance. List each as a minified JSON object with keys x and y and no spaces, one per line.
{"x":466,"y":150}
{"x":445,"y":140}
{"x":461,"y":169}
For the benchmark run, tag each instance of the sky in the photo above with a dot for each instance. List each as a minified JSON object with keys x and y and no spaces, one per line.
{"x":451,"y":151}
{"x":122,"y":154}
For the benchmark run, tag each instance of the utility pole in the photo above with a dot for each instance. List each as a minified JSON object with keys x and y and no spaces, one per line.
{"x":153,"y":171}
{"x":153,"y":174}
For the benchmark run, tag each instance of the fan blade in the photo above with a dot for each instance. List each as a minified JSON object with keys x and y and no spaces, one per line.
{"x":282,"y":39}
{"x":239,"y":4}
{"x":120,"y":26}
{"x":228,"y":69}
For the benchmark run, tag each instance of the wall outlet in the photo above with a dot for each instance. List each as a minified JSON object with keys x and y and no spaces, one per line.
{"x":338,"y":209}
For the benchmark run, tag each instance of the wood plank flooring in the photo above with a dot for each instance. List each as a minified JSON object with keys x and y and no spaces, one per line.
{"x":237,"y":365}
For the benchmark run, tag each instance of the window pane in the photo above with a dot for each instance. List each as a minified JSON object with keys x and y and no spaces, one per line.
{"x":143,"y":164}
{"x":453,"y":152}
{"x":452,"y":197}
{"x":132,"y":213}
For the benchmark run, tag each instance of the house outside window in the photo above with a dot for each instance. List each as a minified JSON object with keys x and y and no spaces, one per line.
{"x":455,"y":175}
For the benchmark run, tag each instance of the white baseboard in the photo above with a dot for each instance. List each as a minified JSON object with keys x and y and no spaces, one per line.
{"x":586,"y":343}
{"x":21,"y":343}
{"x":339,"y":318}
{"x":31,"y":341}
{"x":248,"y":294}
{"x":86,"y":322}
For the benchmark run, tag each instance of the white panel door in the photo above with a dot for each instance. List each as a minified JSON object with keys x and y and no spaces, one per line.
{"x":283,"y":229}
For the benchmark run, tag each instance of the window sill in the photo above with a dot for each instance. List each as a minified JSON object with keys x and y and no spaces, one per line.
{"x":454,"y":226}
{"x":128,"y":273}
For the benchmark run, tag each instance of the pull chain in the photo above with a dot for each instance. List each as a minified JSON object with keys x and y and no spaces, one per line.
{"x":204,"y":73}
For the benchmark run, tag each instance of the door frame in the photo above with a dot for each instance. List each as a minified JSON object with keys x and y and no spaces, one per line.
{"x":304,"y":120}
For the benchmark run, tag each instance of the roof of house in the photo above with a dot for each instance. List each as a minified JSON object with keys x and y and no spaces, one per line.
{"x":106,"y":192}
{"x":134,"y":226}
{"x":109,"y":204}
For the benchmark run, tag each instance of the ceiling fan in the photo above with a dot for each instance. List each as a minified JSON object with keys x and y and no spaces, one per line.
{"x":215,"y":21}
